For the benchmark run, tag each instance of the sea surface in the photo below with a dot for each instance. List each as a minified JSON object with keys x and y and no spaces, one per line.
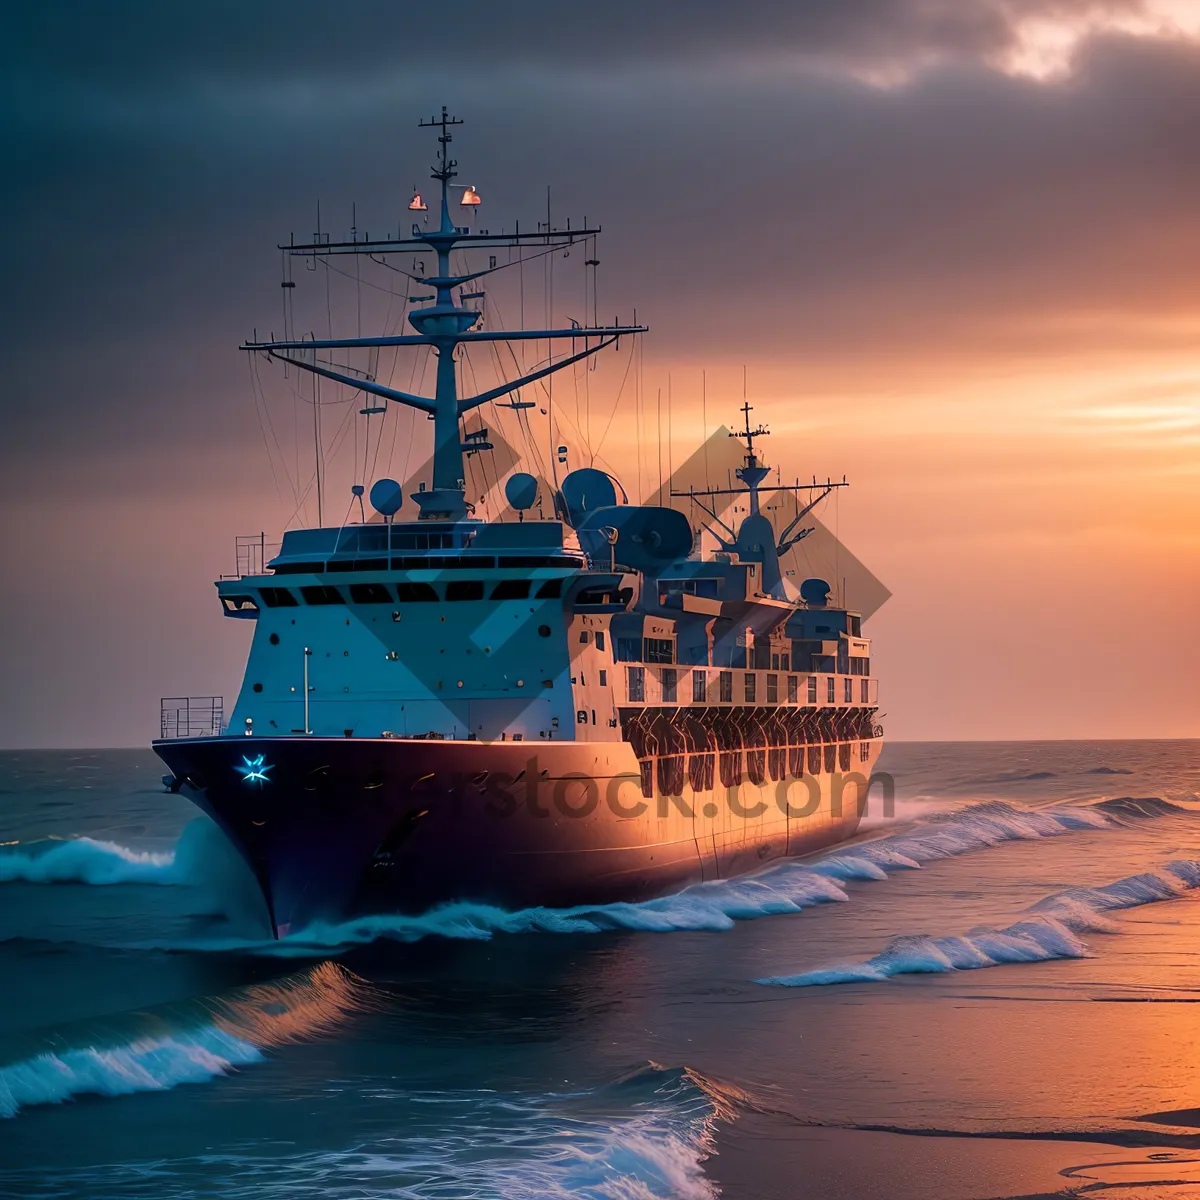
{"x":992,"y":992}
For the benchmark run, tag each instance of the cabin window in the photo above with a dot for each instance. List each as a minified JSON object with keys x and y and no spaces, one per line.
{"x":581,"y":717}
{"x":604,"y":679}
{"x":321,"y":593}
{"x":864,"y":691}
{"x":699,"y":687}
{"x":629,"y":649}
{"x":670,"y":686}
{"x":550,"y":590}
{"x":751,"y":681}
{"x":277,"y":597}
{"x":370,"y":593}
{"x":407,"y":591}
{"x":726,"y":686}
{"x":773,"y":689}
{"x":812,"y":689}
{"x":239,"y":604}
{"x":793,"y":686}
{"x":636,"y":679}
{"x":831,"y":690}
{"x":848,"y":690}
{"x":855,"y":626}
{"x":864,"y":751}
{"x":599,"y":639}
{"x":585,"y":636}
{"x":774,"y":662}
{"x":511,"y":589}
{"x":658,"y":650}
{"x":785,"y":663}
{"x":464,"y":589}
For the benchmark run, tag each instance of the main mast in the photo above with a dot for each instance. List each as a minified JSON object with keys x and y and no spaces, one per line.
{"x":445,"y":326}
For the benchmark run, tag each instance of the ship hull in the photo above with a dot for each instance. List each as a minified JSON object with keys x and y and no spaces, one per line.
{"x":338,"y":827}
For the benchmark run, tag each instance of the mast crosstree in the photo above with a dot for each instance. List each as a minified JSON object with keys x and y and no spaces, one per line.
{"x":445,"y":325}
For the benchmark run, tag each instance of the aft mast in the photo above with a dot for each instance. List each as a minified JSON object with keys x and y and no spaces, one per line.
{"x":755,"y":539}
{"x":445,"y":325}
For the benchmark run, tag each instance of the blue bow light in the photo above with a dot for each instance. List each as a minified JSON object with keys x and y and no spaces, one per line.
{"x":254,"y":770}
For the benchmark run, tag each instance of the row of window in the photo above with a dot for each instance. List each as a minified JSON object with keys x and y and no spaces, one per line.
{"x":406,"y":591}
{"x":635,"y":678}
{"x":443,"y":562}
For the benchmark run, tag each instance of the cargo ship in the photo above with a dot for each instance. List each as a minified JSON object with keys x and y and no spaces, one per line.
{"x":580,"y":701}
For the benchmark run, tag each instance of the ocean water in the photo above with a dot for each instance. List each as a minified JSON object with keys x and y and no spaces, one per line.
{"x":994,"y":991}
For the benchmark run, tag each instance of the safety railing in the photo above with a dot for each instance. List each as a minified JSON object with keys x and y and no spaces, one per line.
{"x":192,"y":716}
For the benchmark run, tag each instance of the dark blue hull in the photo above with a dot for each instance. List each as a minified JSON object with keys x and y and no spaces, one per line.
{"x":334,"y":828}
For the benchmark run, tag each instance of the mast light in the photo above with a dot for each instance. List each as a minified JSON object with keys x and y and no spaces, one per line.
{"x":470,"y":197}
{"x":416,"y":204}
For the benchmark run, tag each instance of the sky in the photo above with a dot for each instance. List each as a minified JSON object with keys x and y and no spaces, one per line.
{"x":949,"y":248}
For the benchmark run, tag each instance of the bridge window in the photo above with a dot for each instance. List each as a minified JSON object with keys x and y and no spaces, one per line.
{"x":658,"y":650}
{"x":321,"y":593}
{"x":277,"y":597}
{"x":239,"y":604}
{"x":636,"y":678}
{"x":629,"y":649}
{"x":550,"y":590}
{"x":407,"y":591}
{"x":464,"y":589}
{"x":699,"y":687}
{"x":726,"y":687}
{"x":670,"y":686}
{"x":511,"y":589}
{"x":370,"y":593}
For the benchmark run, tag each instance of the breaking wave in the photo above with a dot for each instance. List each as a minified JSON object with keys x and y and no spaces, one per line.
{"x":85,"y":860}
{"x":1049,"y":932}
{"x":191,"y":1042}
{"x":645,"y":1136}
{"x":200,"y":848}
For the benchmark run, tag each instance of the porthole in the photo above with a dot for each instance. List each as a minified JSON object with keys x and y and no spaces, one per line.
{"x":258,"y":687}
{"x":274,"y":639}
{"x":544,"y":630}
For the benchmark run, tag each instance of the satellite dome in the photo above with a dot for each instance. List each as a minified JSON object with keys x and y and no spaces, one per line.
{"x":386,"y":497}
{"x":815,"y":592}
{"x":521,"y":490}
{"x":584,"y":491}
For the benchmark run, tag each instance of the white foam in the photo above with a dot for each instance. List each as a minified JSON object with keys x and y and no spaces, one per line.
{"x":1034,"y":940}
{"x":1048,"y":933}
{"x":144,"y":1065}
{"x":86,"y":860}
{"x":187,"y":1042}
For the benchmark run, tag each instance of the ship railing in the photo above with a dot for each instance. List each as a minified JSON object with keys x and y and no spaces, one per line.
{"x":252,"y":552}
{"x":192,"y":716}
{"x":650,"y":684}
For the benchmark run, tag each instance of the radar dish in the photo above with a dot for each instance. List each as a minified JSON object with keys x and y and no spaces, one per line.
{"x":584,"y":491}
{"x":815,"y":592}
{"x":521,"y":490}
{"x":648,"y":538}
{"x":386,"y":497}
